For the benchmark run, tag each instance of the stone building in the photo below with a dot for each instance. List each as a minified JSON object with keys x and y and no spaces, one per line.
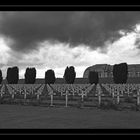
{"x":105,"y":70}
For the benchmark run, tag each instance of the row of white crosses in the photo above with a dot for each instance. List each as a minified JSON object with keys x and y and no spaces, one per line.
{"x":58,"y":88}
{"x":111,"y":89}
{"x":61,"y":88}
{"x":24,"y":89}
{"x":137,"y":88}
{"x":66,"y":89}
{"x":11,"y":91}
{"x":84,"y":92}
{"x":2,"y":90}
{"x":29,"y":87}
{"x":66,"y":97}
{"x":76,"y":88}
{"x":79,"y":88}
{"x":87,"y":88}
{"x":14,"y":89}
{"x":115,"y":89}
{"x":51,"y":93}
{"x":99,"y":93}
{"x":39,"y":91}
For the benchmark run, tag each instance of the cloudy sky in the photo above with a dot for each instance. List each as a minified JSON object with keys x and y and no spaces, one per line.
{"x":54,"y":40}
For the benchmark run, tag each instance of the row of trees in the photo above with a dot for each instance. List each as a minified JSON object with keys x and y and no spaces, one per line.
{"x":30,"y":75}
{"x":120,"y":75}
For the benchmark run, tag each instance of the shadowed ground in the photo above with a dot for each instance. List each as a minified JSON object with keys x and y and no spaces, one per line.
{"x":17,"y":116}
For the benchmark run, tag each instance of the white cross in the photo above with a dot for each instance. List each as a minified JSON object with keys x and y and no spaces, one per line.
{"x":2,"y":90}
{"x":82,"y":95}
{"x":66,"y":98}
{"x":118,"y":97}
{"x":128,"y":91}
{"x":25,"y":93}
{"x":40,"y":91}
{"x":113,"y":92}
{"x":51,"y":93}
{"x":11,"y":91}
{"x":99,"y":94}
{"x":138,"y":97}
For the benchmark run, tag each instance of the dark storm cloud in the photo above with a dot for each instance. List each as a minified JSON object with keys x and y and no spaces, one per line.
{"x":89,"y":28}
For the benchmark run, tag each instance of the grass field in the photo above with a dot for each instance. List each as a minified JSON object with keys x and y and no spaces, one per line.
{"x":17,"y":116}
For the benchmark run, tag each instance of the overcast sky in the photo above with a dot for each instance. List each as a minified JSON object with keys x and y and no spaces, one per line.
{"x":54,"y":40}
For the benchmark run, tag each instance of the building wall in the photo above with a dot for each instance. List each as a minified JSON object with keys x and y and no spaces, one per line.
{"x":106,"y":71}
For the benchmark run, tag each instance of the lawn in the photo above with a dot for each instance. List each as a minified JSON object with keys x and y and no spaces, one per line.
{"x":19,"y":116}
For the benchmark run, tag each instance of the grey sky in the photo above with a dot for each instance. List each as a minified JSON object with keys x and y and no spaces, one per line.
{"x":58,"y":39}
{"x":26,"y":29}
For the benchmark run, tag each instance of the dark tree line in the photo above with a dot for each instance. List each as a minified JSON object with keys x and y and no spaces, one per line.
{"x":120,"y":73}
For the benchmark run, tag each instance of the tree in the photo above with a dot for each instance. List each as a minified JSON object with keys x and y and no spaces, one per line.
{"x":15,"y":72}
{"x":72,"y":74}
{"x":26,"y":75}
{"x":69,"y":75}
{"x":8,"y":77}
{"x":115,"y":73}
{"x":50,"y":77}
{"x":124,"y":72}
{"x":1,"y":78}
{"x":120,"y":73}
{"x":66,"y":74}
{"x":12,"y":75}
{"x":34,"y":75}
{"x":93,"y":77}
{"x":30,"y":76}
